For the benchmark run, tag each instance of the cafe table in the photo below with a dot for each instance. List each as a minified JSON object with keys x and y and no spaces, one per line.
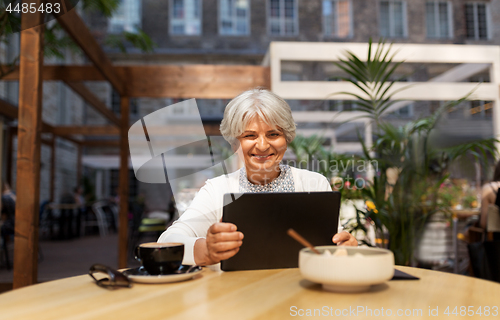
{"x":261,"y":294}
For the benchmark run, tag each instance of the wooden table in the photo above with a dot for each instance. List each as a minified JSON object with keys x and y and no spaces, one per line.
{"x":264,"y":294}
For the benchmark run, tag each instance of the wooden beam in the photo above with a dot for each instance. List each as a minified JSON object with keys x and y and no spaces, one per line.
{"x":171,"y":81}
{"x":64,"y":73}
{"x":11,"y":111}
{"x":66,"y":131}
{"x":86,"y":130}
{"x":193,"y":81}
{"x":124,"y":184}
{"x":8,"y":110}
{"x":212,"y":129}
{"x":99,"y":106}
{"x":28,"y":150}
{"x":78,"y":31}
{"x":46,"y":141}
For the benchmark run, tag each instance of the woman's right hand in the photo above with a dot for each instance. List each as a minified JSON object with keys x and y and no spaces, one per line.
{"x":222,"y":242}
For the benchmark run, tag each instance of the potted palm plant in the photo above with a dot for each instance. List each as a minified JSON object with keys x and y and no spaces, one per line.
{"x":404,"y":192}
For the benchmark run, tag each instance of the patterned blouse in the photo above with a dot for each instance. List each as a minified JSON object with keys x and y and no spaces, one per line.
{"x":283,"y":183}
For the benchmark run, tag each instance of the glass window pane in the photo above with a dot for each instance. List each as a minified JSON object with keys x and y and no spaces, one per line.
{"x":327,"y":7}
{"x":192,"y":28}
{"x":398,"y":19}
{"x":289,"y":9}
{"x":344,"y":19}
{"x":178,"y":28}
{"x":196,"y":8}
{"x":224,"y":8}
{"x":227,"y":25}
{"x":328,"y":18}
{"x":178,"y":9}
{"x":127,"y":17}
{"x":275,"y":8}
{"x":289,"y":27}
{"x":275,"y":26}
{"x":230,"y":6}
{"x":185,"y":17}
{"x":241,"y":27}
{"x":469,"y":20}
{"x":384,"y":19}
{"x":234,"y":17}
{"x":481,"y":21}
{"x":241,"y":13}
{"x":443,"y":20}
{"x":430,"y":20}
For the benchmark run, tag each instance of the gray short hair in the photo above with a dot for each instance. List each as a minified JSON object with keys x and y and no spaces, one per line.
{"x":268,"y":106}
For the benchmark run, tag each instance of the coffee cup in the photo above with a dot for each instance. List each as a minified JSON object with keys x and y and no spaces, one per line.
{"x":160,"y":258}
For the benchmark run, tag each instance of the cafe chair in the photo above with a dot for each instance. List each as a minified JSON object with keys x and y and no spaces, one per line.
{"x":95,"y":218}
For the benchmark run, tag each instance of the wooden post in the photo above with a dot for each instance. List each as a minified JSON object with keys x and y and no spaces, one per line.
{"x":28,"y":150}
{"x":53,"y":169}
{"x":124,"y":184}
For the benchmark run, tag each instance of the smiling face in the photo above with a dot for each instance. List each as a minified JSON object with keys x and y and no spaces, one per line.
{"x":262,"y":148}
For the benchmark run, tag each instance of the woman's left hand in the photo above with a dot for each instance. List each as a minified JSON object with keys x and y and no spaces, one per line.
{"x":344,"y":238}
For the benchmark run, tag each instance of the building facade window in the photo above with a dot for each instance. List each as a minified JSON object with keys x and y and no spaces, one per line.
{"x":282,"y":17}
{"x":234,"y":17}
{"x":439,"y":21}
{"x":393,"y":19}
{"x":127,"y":17}
{"x":477,"y":19}
{"x":337,"y":18}
{"x":185,"y":17}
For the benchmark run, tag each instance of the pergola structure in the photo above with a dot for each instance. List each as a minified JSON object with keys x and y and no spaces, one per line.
{"x":194,"y":81}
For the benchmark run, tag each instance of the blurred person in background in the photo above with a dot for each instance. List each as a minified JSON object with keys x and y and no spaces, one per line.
{"x":489,"y":197}
{"x":8,"y":213}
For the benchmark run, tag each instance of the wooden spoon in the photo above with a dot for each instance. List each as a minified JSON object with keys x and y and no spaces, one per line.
{"x":292,"y":233}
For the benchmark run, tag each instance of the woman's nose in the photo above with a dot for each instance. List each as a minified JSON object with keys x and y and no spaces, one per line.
{"x":262,"y":144}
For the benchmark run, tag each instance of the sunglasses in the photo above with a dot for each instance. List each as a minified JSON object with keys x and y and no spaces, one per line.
{"x":114,"y":279}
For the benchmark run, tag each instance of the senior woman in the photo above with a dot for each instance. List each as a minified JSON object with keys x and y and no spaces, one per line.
{"x":259,"y":125}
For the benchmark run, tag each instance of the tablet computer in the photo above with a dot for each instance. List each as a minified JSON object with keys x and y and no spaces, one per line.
{"x":264,"y":219}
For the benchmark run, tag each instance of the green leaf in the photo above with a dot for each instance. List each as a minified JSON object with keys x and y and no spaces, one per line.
{"x":106,"y":7}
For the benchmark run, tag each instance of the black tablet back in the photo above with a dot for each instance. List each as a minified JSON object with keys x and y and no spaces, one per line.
{"x":264,"y":219}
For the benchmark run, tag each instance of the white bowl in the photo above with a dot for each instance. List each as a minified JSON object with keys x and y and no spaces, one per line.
{"x":347,"y":273}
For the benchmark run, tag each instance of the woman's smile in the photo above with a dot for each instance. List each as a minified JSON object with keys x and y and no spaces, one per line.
{"x":262,"y":157}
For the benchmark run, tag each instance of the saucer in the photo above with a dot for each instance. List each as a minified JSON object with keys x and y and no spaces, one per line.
{"x":140,"y":275}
